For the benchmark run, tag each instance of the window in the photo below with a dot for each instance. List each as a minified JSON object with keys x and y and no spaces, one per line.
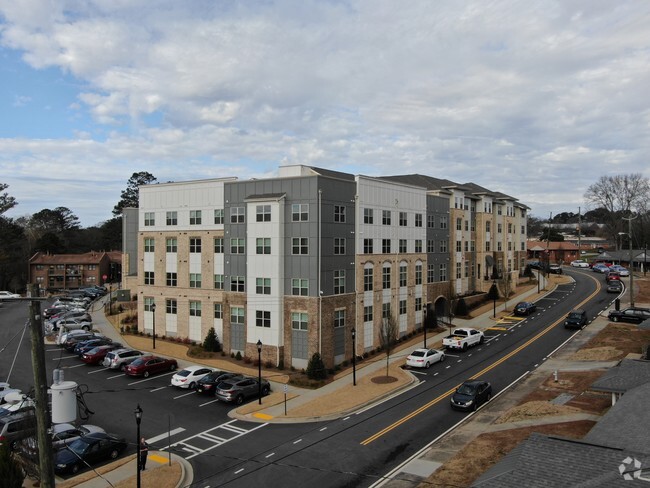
{"x":443,"y":272}
{"x":385,"y":217}
{"x":262,"y":318}
{"x":523,"y":229}
{"x":431,"y":273}
{"x":431,"y":245}
{"x":459,"y":224}
{"x":300,"y":212}
{"x":509,"y":228}
{"x":487,"y":246}
{"x":263,"y":213}
{"x":499,"y":228}
{"x":171,"y":279}
{"x":339,"y":318}
{"x":367,"y":279}
{"x":300,"y":245}
{"x":237,"y":215}
{"x":218,"y":215}
{"x":195,"y":217}
{"x":431,"y":221}
{"x":367,"y":313}
{"x":402,"y":307}
{"x":263,"y":245}
{"x":237,"y":283}
{"x":195,"y":280}
{"x":402,"y":245}
{"x":339,"y":281}
{"x":418,"y":220}
{"x":466,"y":244}
{"x":418,"y":245}
{"x":466,"y":269}
{"x":149,"y":245}
{"x":509,"y":246}
{"x":418,"y":304}
{"x":459,"y":271}
{"x":195,"y":308}
{"x":443,"y":222}
{"x":298,"y":321}
{"x":148,"y":277}
{"x":171,"y":218}
{"x":218,"y":310}
{"x":443,"y":246}
{"x":339,"y":245}
{"x":171,"y":306}
{"x":459,"y":246}
{"x":218,"y":245}
{"x":418,"y":274}
{"x":385,"y":277}
{"x":195,"y":244}
{"x":237,"y":315}
{"x":171,"y":244}
{"x":218,"y":282}
{"x":300,"y":287}
{"x":339,"y":213}
{"x":499,"y":246}
{"x":237,"y":245}
{"x":385,"y":246}
{"x":148,"y":304}
{"x":488,"y":225}
{"x":263,"y":286}
{"x":368,"y":217}
{"x":368,"y":246}
{"x":402,"y":275}
{"x":403,"y":219}
{"x":472,"y":246}
{"x":385,"y":310}
{"x":149,"y":219}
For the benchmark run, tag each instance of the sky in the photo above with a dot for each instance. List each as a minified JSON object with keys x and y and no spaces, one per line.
{"x":535,"y":99}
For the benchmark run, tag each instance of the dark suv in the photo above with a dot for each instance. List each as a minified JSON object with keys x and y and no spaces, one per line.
{"x":576,"y":319}
{"x":236,"y":390}
{"x":635,"y":315}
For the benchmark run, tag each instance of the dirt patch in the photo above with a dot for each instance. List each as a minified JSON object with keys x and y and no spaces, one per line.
{"x":487,"y":449}
{"x":533,"y":410}
{"x":614,"y":342}
{"x":382,"y":380}
{"x":605,"y":353}
{"x":161,"y":477}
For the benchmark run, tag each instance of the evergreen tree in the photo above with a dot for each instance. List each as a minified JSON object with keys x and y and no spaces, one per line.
{"x":211,"y":342}
{"x":316,"y":368}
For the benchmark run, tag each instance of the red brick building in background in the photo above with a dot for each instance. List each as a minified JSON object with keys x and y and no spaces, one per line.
{"x":554,"y":252}
{"x":54,"y":272}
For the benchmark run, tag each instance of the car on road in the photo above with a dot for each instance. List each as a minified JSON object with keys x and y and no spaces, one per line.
{"x":7,"y":295}
{"x":88,"y":450}
{"x":237,"y":390}
{"x":634,"y":315}
{"x":580,"y":263}
{"x":148,"y":365}
{"x":555,"y":269}
{"x":471,"y":395}
{"x":614,"y":286}
{"x":525,"y":308}
{"x":63,"y":434}
{"x":423,"y":358}
{"x":97,"y":354}
{"x":611,"y":276}
{"x":621,"y":270}
{"x":119,"y":358}
{"x":599,"y":268}
{"x":575,"y":319}
{"x":189,"y":377}
{"x":208,"y":384}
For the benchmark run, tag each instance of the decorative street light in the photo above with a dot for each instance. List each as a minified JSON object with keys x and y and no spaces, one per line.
{"x":354,"y":357}
{"x":259,"y":370}
{"x":424,"y":326}
{"x":153,"y":310}
{"x":138,"y":419}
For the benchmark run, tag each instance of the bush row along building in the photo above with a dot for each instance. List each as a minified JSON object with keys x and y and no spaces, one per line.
{"x":300,"y":260}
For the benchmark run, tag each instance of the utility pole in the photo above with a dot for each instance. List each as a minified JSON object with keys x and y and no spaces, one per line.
{"x":45,"y":454}
{"x":579,"y":231}
{"x":629,"y":235}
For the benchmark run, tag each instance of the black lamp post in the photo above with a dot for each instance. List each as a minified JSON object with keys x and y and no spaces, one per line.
{"x":153,"y":310}
{"x":494,"y":299}
{"x":138,"y":419}
{"x":354,"y":357}
{"x":424,"y":326}
{"x":259,"y":370}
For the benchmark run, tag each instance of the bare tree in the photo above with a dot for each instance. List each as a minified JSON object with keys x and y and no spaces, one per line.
{"x":388,"y":333}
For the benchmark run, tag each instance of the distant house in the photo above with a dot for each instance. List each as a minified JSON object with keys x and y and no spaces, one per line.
{"x":53,"y":272}
{"x":554,"y":252}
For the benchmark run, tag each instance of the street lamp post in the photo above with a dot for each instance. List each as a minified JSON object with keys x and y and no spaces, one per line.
{"x":424,"y":326}
{"x":494,"y":299}
{"x":259,"y":370}
{"x":153,"y":310}
{"x":138,"y":419}
{"x":354,"y":357}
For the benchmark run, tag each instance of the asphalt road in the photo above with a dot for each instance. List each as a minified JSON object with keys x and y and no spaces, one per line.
{"x":354,"y":451}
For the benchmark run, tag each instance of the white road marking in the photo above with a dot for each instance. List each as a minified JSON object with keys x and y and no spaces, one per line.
{"x":184,"y":395}
{"x":71,"y":367}
{"x":270,"y":455}
{"x":65,"y":357}
{"x":297,"y":442}
{"x":153,"y":440}
{"x":208,"y":403}
{"x":116,"y":376}
{"x":97,"y":370}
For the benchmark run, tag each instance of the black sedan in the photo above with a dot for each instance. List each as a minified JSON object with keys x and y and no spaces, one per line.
{"x":525,"y":308}
{"x":635,"y":315}
{"x":471,"y":395}
{"x":88,"y":450}
{"x":208,"y":384}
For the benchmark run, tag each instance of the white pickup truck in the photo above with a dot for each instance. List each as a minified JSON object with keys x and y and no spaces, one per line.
{"x":463,"y":338}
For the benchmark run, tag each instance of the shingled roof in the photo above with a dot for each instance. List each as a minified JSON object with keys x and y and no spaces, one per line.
{"x":629,"y":374}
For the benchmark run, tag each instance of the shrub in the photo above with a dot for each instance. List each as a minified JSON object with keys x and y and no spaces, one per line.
{"x":316,"y":368}
{"x":248,"y":360}
{"x":211,"y":342}
{"x":238,"y":356}
{"x":268,"y":364}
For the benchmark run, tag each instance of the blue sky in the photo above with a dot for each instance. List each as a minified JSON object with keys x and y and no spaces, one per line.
{"x":536,"y":99}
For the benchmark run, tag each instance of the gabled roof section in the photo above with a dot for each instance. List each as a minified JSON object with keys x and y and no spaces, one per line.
{"x":428,"y":182}
{"x":92,"y":257}
{"x":629,"y":374}
{"x":332,"y":174}
{"x":551,"y":246}
{"x":265,"y":196}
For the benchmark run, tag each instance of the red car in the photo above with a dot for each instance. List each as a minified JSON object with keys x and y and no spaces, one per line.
{"x":148,"y":365}
{"x":97,"y":354}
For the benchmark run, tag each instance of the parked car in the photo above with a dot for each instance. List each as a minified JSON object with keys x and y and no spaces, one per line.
{"x":63,"y":434}
{"x":119,"y":358}
{"x":621,"y":270}
{"x":471,"y":395}
{"x":73,"y":324}
{"x":188,"y":377}
{"x":50,"y":312}
{"x":88,"y":450}
{"x":555,"y":269}
{"x":69,"y":334}
{"x":423,"y":358}
{"x":86,"y":346}
{"x":524,"y":308}
{"x":599,"y":268}
{"x":72,"y":341}
{"x":237,"y":390}
{"x":635,"y":315}
{"x":148,"y":365}
{"x":60,"y":320}
{"x":97,"y":354}
{"x":580,"y":263}
{"x":614,"y":286}
{"x":208,"y":384}
{"x":7,"y":295}
{"x":16,"y":426}
{"x":5,"y":389}
{"x":576,"y":319}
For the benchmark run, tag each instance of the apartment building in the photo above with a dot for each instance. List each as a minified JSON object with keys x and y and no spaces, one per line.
{"x":296,"y":262}
{"x":54,"y":272}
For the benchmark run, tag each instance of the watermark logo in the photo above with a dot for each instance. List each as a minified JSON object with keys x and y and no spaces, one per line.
{"x":630,"y":468}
